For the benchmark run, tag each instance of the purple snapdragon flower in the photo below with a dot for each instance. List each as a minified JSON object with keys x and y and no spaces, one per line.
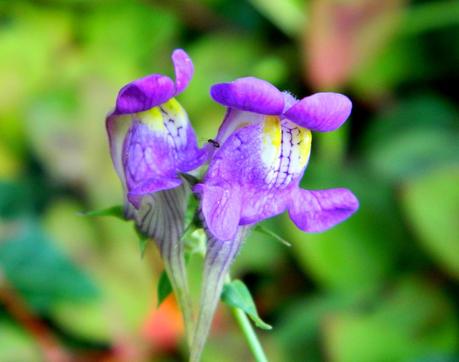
{"x":152,"y":143}
{"x":264,"y":147}
{"x":151,"y":138}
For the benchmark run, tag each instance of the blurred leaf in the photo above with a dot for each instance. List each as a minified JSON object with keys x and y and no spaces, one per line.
{"x":417,"y":135}
{"x":164,"y":288}
{"x":439,"y":357}
{"x":411,"y":55}
{"x":108,"y":250}
{"x":29,"y":55}
{"x":140,"y":36}
{"x":429,"y":16}
{"x":10,"y":164}
{"x":16,"y":344}
{"x":287,"y":15}
{"x":301,"y":320}
{"x":235,"y":294}
{"x":425,"y":111}
{"x":14,"y":199}
{"x":116,"y":211}
{"x":414,"y":320}
{"x":431,"y":205}
{"x":400,"y":61}
{"x":414,"y":153}
{"x":39,"y":271}
{"x":265,"y":231}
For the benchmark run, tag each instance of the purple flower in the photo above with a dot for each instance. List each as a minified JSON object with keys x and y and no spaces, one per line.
{"x":152,"y":143}
{"x":265,"y":143}
{"x":151,"y":138}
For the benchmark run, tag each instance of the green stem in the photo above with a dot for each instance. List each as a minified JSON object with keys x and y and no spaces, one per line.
{"x":249,"y":334}
{"x":248,"y":331}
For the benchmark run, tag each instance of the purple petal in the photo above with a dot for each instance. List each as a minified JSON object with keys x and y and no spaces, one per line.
{"x":183,"y":69}
{"x":219,"y":256}
{"x":221,"y":208}
{"x":262,"y":205}
{"x":144,"y":93}
{"x":191,"y":156}
{"x":150,"y":186}
{"x":234,"y":120}
{"x":256,"y":161}
{"x":321,"y":112}
{"x":149,"y":162}
{"x":316,"y":211}
{"x":249,"y":94}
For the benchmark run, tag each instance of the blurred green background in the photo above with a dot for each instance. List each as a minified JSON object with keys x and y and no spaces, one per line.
{"x":383,"y":286}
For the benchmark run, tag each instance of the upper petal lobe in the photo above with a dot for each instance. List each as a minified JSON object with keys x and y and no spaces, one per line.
{"x":321,"y":112}
{"x":144,"y":93}
{"x":183,"y":69}
{"x":249,"y":94}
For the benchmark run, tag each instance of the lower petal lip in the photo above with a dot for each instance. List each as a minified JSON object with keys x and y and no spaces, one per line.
{"x":321,"y":112}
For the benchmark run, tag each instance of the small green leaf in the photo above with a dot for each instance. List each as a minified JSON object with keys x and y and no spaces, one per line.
{"x":143,"y":242}
{"x":262,"y":230}
{"x":191,"y":214}
{"x":116,"y":211}
{"x":192,"y":180}
{"x":164,"y":287}
{"x":235,"y":294}
{"x":195,"y":242}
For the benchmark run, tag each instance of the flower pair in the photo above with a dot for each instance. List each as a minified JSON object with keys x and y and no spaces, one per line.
{"x":255,"y":166}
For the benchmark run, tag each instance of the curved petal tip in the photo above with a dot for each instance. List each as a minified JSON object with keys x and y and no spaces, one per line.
{"x":321,"y":112}
{"x":144,"y":93}
{"x":183,"y":69}
{"x":249,"y":94}
{"x":320,"y":210}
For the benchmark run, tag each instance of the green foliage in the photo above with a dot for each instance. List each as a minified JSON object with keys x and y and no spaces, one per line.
{"x":115,"y":211}
{"x":237,"y":295}
{"x":414,"y":321}
{"x":411,"y":320}
{"x":431,"y":206}
{"x":28,"y":260}
{"x":412,"y":138}
{"x":380,"y":287}
{"x":16,"y":344}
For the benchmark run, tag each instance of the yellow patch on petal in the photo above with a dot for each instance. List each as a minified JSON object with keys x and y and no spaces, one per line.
{"x":272,"y":130}
{"x":271,"y":140}
{"x":305,"y":145}
{"x":173,"y":108}
{"x":157,"y":117}
{"x":286,"y":149}
{"x":152,"y":118}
